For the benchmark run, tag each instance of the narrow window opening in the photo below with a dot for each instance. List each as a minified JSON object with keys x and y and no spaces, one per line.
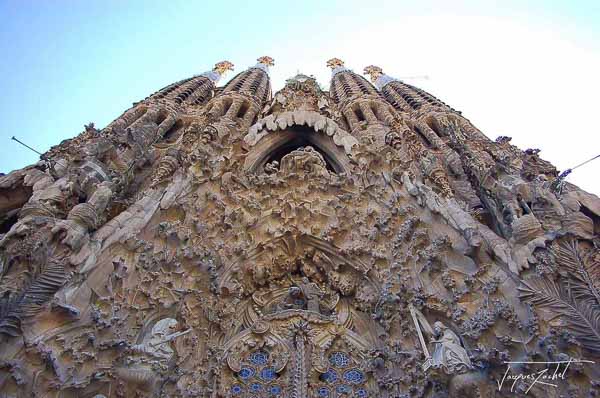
{"x":237,"y":86}
{"x":376,"y":112}
{"x":433,"y":125}
{"x":334,"y":93}
{"x":423,"y":137}
{"x":228,"y":102}
{"x":243,"y":110}
{"x":266,"y":88}
{"x":359,"y":115}
{"x":173,"y":133}
{"x":361,"y":85}
{"x":135,"y":118}
{"x":594,"y":217}
{"x":161,"y":117}
{"x":348,"y":125}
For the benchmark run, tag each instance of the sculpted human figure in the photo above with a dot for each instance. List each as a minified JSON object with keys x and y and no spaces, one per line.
{"x":157,"y":343}
{"x":312,"y":293}
{"x":155,"y":348}
{"x":295,"y":298}
{"x":306,"y":295}
{"x":448,"y":353}
{"x":272,"y":167}
{"x":304,"y":160}
{"x":394,"y":140}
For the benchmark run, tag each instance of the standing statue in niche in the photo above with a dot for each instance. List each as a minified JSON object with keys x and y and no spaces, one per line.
{"x":448,"y":352}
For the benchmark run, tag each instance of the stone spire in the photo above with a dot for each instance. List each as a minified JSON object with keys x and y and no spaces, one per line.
{"x":357,"y":99}
{"x":404,"y":97}
{"x":243,"y":96}
{"x":218,"y":71}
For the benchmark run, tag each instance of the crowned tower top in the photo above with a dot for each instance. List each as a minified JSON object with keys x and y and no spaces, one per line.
{"x":218,"y":71}
{"x":404,"y":97}
{"x":264,"y":63}
{"x":336,"y":65}
{"x":377,"y":76}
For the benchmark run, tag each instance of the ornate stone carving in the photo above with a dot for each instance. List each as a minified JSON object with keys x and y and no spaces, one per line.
{"x":304,"y":161}
{"x":226,"y":242}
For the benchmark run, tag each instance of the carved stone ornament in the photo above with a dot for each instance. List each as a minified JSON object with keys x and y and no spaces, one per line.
{"x":221,"y":240}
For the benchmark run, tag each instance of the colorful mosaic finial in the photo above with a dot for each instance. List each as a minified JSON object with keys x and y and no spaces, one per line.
{"x":222,"y":67}
{"x":374,"y":72}
{"x":266,"y":60}
{"x":335,"y":63}
{"x":378,"y":78}
{"x":218,"y":70}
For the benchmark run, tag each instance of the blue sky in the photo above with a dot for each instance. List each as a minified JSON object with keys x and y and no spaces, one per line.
{"x":525,"y":70}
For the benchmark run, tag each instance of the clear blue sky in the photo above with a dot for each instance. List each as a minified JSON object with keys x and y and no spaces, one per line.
{"x":67,"y":63}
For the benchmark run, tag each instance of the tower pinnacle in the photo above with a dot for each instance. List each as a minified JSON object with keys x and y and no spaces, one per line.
{"x":218,"y":71}
{"x":223,"y":66}
{"x":374,"y":72}
{"x":336,"y":65}
{"x":377,"y":76}
{"x":264,"y":62}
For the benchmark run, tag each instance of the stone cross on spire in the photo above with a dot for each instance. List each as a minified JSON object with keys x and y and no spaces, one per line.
{"x":377,"y":76}
{"x":218,"y":71}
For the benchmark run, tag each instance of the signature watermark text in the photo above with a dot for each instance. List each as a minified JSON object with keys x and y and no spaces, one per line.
{"x":550,"y":375}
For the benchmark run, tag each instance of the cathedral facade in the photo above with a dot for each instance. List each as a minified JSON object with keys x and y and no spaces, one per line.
{"x":366,"y":241}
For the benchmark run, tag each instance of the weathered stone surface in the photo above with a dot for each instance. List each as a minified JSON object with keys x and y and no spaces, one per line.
{"x":224,"y":242}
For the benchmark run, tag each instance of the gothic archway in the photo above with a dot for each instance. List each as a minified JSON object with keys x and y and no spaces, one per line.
{"x":275,"y":145}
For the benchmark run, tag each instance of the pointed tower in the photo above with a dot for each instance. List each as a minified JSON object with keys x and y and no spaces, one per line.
{"x":404,"y":97}
{"x":197,"y":89}
{"x":357,"y":99}
{"x":162,"y":108}
{"x":244,"y":96}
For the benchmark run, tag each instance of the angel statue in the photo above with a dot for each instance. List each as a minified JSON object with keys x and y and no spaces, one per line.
{"x":448,"y":352}
{"x":156,"y":344}
{"x":151,"y":354}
